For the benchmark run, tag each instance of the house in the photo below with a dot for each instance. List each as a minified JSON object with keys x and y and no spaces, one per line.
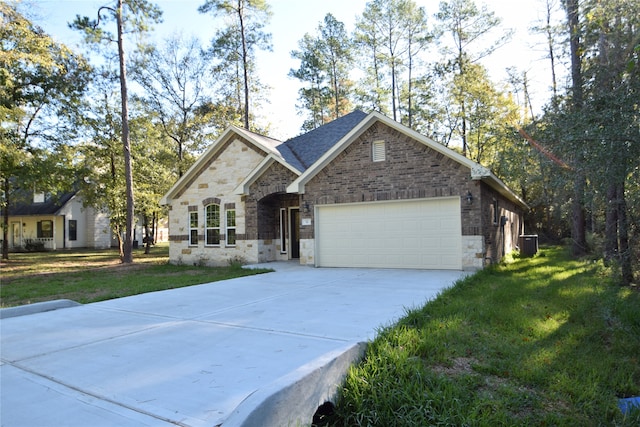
{"x":361,"y":191}
{"x":62,"y":221}
{"x":57,"y":222}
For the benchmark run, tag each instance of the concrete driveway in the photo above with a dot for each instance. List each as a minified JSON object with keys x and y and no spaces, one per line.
{"x":260,"y":350}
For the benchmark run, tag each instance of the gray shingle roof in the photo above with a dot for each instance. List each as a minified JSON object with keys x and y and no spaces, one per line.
{"x":310,"y":146}
{"x":51,"y":206}
{"x":290,"y":157}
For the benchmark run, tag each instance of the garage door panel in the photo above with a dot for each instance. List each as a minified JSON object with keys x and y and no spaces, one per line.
{"x":412,"y":243}
{"x":398,"y":234}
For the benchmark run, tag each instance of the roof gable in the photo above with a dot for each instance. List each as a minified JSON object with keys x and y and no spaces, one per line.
{"x":263,"y":143}
{"x":243,"y":187}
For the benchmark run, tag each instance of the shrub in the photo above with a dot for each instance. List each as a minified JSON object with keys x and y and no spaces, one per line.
{"x":31,"y":245}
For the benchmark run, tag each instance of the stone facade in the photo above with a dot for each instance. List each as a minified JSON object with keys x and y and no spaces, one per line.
{"x":215,"y":182}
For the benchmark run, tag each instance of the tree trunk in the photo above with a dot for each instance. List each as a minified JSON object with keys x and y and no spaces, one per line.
{"x":578,"y":231}
{"x":625,"y":257}
{"x":611,"y":224}
{"x":393,"y":89}
{"x":376,"y":67}
{"x":127,"y":255}
{"x":554,"y":84}
{"x":579,"y":222}
{"x":574,"y":44}
{"x":147,"y":235}
{"x":409,"y":89}
{"x":464,"y":127}
{"x":527,"y":98}
{"x":154,"y":228}
{"x":245,"y":65}
{"x":118,"y":233}
{"x":463,"y":107}
{"x":334,"y":84}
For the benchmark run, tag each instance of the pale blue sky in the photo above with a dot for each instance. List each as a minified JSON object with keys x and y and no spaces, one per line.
{"x":291,"y":20}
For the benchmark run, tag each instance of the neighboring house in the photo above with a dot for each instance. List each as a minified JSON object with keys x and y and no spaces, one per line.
{"x":361,"y":191}
{"x":60,"y":222}
{"x":63,"y":222}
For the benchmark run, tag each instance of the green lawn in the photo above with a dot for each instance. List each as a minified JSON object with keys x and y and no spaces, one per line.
{"x":94,"y":275}
{"x":543,"y":341}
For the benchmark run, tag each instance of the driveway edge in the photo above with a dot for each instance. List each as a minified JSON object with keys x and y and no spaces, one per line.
{"x":294,"y":398}
{"x":38,"y":307}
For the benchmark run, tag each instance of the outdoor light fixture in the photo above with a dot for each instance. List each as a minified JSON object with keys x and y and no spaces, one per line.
{"x":305,"y":207}
{"x":469,"y":197}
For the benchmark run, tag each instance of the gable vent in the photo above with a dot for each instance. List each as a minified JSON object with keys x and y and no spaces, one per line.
{"x":378,"y":151}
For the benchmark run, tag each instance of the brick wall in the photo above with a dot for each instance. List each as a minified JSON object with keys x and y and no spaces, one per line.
{"x":411,"y":170}
{"x":266,"y":196}
{"x":499,"y":239}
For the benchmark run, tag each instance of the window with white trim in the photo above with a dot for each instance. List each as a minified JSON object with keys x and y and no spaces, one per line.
{"x":231,"y":227}
{"x":73,"y":229}
{"x":193,"y":228}
{"x":212,"y":225}
{"x":378,"y":154}
{"x":44,"y":229}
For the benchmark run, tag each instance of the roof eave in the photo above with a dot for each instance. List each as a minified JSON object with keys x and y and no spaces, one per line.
{"x":497,"y":184}
{"x":57,"y":212}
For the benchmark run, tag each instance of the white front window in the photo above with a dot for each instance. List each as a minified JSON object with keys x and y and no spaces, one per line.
{"x":231,"y":227}
{"x":193,"y":228}
{"x":212,"y":225}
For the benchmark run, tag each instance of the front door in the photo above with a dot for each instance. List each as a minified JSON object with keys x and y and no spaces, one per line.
{"x":294,"y":233}
{"x":16,"y":235}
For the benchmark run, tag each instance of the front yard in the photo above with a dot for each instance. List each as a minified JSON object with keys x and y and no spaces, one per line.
{"x":546,"y":340}
{"x":94,"y":275}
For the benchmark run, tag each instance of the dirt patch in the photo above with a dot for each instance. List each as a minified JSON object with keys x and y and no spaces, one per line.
{"x":527,"y":401}
{"x":459,"y":366}
{"x":74,"y":267}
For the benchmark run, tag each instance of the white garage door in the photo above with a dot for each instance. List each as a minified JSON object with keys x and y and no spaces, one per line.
{"x":396,"y":234}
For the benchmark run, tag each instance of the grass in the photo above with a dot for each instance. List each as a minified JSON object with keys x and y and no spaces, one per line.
{"x":95,"y":275}
{"x":538,"y":341}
